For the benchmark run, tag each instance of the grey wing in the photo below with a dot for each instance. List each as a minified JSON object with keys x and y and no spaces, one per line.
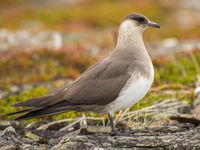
{"x":100,"y":85}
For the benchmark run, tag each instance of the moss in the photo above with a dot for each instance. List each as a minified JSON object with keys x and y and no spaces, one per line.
{"x":183,"y":69}
{"x":6,"y":104}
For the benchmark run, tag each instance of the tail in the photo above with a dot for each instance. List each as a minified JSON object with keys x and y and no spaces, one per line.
{"x":36,"y":102}
{"x":43,"y":106}
{"x":41,"y":112}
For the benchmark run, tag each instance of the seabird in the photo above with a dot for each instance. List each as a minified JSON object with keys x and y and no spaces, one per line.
{"x":113,"y":84}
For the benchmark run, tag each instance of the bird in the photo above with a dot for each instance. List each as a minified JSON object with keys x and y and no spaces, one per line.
{"x":115,"y":83}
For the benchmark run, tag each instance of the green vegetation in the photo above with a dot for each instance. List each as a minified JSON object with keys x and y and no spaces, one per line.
{"x":182,"y":69}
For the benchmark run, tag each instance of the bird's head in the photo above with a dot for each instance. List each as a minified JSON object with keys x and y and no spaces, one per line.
{"x":137,"y":22}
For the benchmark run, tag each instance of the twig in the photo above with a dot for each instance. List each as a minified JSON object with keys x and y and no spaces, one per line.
{"x":118,"y":115}
{"x":97,"y":118}
{"x":44,"y":127}
{"x":137,"y":115}
{"x":153,"y":110}
{"x":125,"y":112}
{"x":72,"y":124}
{"x":84,"y":121}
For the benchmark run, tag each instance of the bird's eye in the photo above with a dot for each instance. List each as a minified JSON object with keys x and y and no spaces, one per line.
{"x":139,"y":19}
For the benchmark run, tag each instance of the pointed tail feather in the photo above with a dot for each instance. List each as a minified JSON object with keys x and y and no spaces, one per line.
{"x":42,"y":112}
{"x":36,"y":102}
{"x":43,"y":101}
{"x":21,"y":111}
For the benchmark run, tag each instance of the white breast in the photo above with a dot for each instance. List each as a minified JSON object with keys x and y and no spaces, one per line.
{"x":134,"y":92}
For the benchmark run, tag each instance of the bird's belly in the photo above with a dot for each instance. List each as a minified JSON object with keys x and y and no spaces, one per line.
{"x":134,"y":92}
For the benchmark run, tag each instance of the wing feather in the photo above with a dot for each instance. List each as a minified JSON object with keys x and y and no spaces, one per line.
{"x":99,"y":85}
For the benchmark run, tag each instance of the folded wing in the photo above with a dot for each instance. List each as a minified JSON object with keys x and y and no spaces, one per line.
{"x":99,"y":85}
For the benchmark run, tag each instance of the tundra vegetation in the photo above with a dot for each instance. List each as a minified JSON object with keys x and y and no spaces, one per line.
{"x":89,"y":30}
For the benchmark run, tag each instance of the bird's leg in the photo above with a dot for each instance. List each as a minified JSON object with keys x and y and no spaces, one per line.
{"x":114,"y":131}
{"x":84,"y":121}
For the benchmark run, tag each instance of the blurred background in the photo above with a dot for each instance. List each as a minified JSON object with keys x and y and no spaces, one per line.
{"x":45,"y":44}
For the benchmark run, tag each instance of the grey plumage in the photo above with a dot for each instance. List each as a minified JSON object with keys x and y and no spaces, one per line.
{"x":99,"y":86}
{"x":102,"y":84}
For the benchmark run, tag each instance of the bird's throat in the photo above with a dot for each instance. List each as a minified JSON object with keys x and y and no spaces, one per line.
{"x":130,"y":43}
{"x":129,"y":35}
{"x":129,"y":39}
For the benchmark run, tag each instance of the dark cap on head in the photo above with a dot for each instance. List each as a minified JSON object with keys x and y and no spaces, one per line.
{"x":141,"y":19}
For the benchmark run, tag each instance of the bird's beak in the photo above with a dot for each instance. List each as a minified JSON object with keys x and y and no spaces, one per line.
{"x":153,"y":24}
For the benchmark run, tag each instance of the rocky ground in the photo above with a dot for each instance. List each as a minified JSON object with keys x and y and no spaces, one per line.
{"x":173,"y":136}
{"x":175,"y":128}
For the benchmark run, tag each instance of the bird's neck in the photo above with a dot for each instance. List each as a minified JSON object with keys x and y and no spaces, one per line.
{"x":129,"y":35}
{"x":129,"y":38}
{"x":130,"y":43}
